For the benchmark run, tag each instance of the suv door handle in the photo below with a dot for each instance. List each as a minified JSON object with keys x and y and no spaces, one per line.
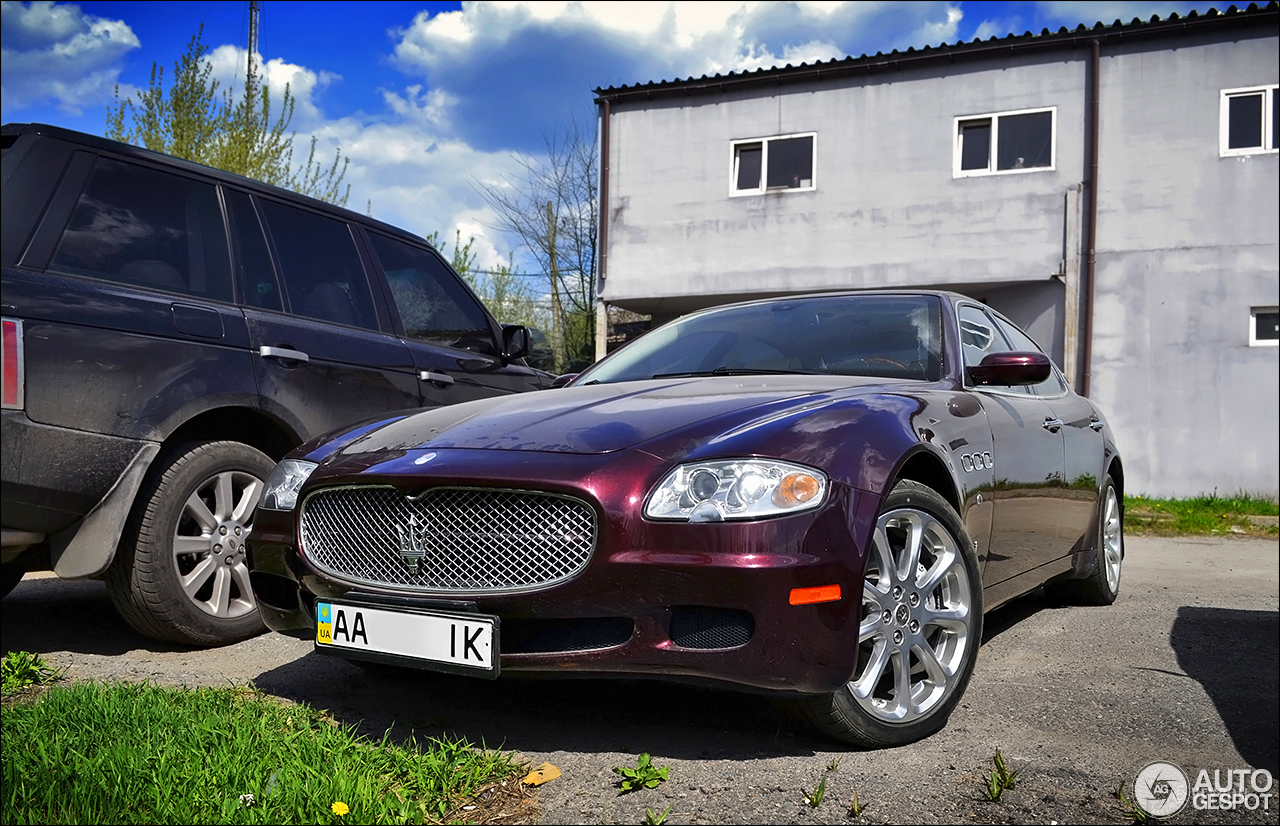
{"x":1052,"y":425}
{"x":439,"y":378}
{"x":282,"y":353}
{"x":1096,"y":424}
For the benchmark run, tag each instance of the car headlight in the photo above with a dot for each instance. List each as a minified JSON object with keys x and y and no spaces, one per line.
{"x":735,"y":489}
{"x":283,"y":484}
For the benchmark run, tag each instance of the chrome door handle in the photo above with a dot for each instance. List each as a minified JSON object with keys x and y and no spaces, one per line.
{"x":282,"y":353}
{"x":1096,"y":424}
{"x":1052,"y":425}
{"x":439,"y":378}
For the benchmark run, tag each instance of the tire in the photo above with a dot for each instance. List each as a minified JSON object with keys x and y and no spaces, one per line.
{"x":1102,"y":585}
{"x":927,"y":618}
{"x":180,"y":573}
{"x":10,"y":575}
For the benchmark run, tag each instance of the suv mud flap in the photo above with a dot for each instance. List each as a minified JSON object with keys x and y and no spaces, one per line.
{"x":87,"y":548}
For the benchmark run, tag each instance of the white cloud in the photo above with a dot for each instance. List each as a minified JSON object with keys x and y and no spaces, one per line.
{"x":60,"y":55}
{"x":229,"y":69}
{"x":535,"y":63}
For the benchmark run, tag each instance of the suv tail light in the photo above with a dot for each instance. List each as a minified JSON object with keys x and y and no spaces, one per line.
{"x":12,"y":375}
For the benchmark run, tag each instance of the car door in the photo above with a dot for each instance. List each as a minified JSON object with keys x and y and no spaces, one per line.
{"x":452,"y":340}
{"x":1082,"y":449}
{"x":1027,"y":460}
{"x":323,"y":354}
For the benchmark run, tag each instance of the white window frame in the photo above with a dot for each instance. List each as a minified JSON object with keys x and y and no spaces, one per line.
{"x":1254,"y":341}
{"x":1224,"y":121}
{"x":734,"y":192}
{"x":957,"y":136}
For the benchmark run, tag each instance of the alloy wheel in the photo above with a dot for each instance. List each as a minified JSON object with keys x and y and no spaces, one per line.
{"x":208,"y":543}
{"x":917,"y":618}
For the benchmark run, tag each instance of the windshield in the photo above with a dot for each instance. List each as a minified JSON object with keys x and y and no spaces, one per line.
{"x":895,"y":336}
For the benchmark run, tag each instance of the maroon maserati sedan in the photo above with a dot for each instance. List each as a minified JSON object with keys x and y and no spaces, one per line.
{"x":814,"y":496}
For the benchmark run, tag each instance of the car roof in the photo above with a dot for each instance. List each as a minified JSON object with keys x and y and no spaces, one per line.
{"x":129,"y":150}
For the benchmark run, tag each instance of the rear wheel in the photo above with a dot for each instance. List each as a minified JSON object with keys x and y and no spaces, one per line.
{"x":1102,"y":585}
{"x":180,"y":573}
{"x":920,"y":627}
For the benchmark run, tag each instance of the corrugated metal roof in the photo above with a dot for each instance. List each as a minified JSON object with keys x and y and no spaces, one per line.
{"x":1136,"y":29}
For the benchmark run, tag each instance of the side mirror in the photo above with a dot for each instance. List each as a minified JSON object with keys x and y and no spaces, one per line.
{"x":515,"y":342}
{"x":561,"y":381}
{"x":1011,"y":369}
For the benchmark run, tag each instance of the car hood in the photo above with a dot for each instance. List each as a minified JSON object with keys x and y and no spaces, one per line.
{"x":610,"y":417}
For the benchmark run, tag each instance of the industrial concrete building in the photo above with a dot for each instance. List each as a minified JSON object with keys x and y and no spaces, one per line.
{"x":1112,"y":189}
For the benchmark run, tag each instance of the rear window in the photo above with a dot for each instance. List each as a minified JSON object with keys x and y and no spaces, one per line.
{"x":138,"y":226}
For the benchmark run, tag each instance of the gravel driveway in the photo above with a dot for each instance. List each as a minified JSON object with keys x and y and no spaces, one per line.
{"x":1183,"y":668}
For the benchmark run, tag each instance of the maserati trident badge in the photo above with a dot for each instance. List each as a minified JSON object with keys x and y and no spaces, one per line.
{"x":412,"y":543}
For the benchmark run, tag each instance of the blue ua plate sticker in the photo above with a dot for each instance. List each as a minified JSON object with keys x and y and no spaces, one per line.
{"x":324,"y":623}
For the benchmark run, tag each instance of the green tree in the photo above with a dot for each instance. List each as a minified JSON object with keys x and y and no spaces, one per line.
{"x":554,"y":208}
{"x":192,"y":120}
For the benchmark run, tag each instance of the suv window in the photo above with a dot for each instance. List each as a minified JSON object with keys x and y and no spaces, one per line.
{"x":321,"y":268}
{"x":254,"y":272}
{"x":138,"y":226}
{"x":433,"y":304}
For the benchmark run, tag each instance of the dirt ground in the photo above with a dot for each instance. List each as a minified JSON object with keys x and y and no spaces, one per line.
{"x":1183,"y":668}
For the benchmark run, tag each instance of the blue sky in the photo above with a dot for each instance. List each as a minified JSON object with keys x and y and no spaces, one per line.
{"x":428,"y":100}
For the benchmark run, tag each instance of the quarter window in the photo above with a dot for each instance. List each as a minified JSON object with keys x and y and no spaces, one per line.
{"x":320,"y":266}
{"x":1248,"y":122}
{"x":141,"y":227}
{"x":784,"y":163}
{"x":1005,"y":142}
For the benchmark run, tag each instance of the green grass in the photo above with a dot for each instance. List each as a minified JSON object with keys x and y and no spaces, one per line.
{"x":94,"y":753}
{"x":20,"y":669}
{"x":1198,"y":515}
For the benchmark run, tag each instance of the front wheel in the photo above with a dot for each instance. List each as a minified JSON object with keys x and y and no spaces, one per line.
{"x":180,"y":573}
{"x":920,"y":627}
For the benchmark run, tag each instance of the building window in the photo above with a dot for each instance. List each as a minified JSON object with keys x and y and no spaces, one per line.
{"x":1248,"y":121}
{"x":1005,"y":142}
{"x":1264,"y":326}
{"x":781,"y":164}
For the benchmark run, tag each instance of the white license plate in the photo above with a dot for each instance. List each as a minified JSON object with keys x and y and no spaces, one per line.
{"x":452,"y":642}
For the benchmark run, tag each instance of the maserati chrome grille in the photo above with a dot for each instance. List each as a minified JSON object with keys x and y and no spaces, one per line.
{"x":447,"y":539}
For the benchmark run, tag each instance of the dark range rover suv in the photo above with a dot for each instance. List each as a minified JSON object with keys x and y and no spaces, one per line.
{"x":169,"y":332}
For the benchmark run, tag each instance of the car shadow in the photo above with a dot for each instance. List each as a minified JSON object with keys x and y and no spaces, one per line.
{"x":1235,"y":656}
{"x":51,"y":614}
{"x":547,"y":715}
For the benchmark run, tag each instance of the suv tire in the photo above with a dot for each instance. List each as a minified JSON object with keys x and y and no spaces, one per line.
{"x":180,"y":573}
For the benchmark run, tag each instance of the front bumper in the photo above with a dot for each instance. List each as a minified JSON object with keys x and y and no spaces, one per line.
{"x":706,"y":602}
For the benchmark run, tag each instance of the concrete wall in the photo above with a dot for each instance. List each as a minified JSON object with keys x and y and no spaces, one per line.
{"x":886,"y":210}
{"x":1188,"y":242}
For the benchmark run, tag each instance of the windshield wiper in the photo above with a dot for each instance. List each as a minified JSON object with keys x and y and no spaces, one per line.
{"x":731,"y":371}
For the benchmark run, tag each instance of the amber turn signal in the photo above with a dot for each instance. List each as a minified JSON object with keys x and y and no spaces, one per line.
{"x":808,"y":596}
{"x":796,"y":489}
